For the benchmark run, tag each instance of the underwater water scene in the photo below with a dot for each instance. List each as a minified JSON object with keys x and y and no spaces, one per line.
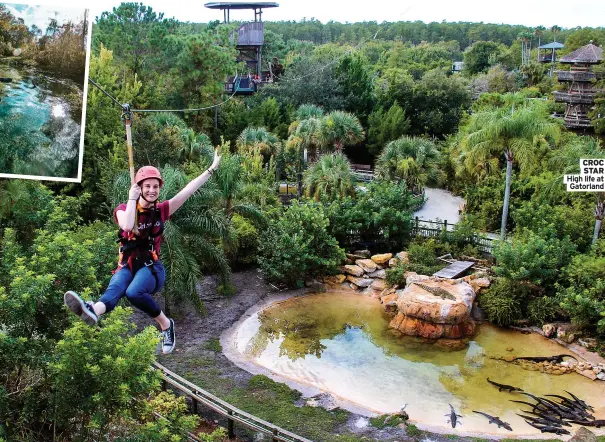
{"x":341,"y":343}
{"x":40,"y":122}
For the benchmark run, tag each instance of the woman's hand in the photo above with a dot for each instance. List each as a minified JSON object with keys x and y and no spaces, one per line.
{"x":217,"y":159}
{"x":134,"y":192}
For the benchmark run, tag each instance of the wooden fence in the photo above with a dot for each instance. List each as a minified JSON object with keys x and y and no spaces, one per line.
{"x":200,"y":396}
{"x":433,"y":229}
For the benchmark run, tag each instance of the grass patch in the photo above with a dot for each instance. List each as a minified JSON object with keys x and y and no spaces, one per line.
{"x":379,"y":421}
{"x":213,"y":345}
{"x":412,"y":430}
{"x":268,"y":400}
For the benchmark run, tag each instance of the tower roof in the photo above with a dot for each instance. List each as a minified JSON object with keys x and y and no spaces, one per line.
{"x":589,"y":54}
{"x":240,"y":5}
{"x":552,"y":45}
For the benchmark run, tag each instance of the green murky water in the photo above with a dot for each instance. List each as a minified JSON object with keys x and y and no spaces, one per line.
{"x":340,"y":342}
{"x":38,"y":133}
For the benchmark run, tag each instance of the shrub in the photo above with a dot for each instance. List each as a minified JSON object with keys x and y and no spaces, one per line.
{"x":544,"y":309}
{"x":298,"y":246}
{"x":532,"y":258}
{"x":503,"y":301}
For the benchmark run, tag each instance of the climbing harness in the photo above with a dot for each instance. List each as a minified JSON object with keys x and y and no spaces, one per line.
{"x":137,"y":252}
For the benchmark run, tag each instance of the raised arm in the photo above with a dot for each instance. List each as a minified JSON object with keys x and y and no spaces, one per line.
{"x":126,"y":217}
{"x":179,"y":199}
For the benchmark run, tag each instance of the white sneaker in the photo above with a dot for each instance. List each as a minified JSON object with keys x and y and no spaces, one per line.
{"x":168,"y":339}
{"x":84,"y":310}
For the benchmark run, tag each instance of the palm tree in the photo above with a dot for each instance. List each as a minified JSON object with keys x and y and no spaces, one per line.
{"x":195,"y":146}
{"x":539,"y":32}
{"x":340,"y":129}
{"x":331,"y":176}
{"x":260,"y":138}
{"x":412,"y":159}
{"x":516,"y":133}
{"x":304,"y":137}
{"x":555,"y":29}
{"x":309,"y":111}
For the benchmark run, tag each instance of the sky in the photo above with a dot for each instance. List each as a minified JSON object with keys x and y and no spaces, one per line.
{"x":33,"y":13}
{"x":564,"y":13}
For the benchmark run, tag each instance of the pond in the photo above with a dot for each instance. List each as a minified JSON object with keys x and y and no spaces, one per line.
{"x":339,"y":342}
{"x":39,"y":124}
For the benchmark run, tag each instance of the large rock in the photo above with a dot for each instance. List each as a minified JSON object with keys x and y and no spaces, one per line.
{"x":362,"y":253}
{"x":360,"y":282}
{"x":411,"y":277}
{"x":393,"y":262}
{"x":548,"y":329}
{"x":378,"y":284}
{"x":335,"y":279}
{"x":382,"y":258}
{"x":583,"y":435}
{"x":367,"y":265}
{"x":354,"y":270}
{"x":382,"y":274}
{"x":435,"y":309}
{"x":403,"y":257}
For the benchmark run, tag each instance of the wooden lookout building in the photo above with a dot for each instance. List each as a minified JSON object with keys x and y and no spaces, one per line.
{"x":580,"y":92}
{"x":550,"y":54}
{"x":250,"y":38}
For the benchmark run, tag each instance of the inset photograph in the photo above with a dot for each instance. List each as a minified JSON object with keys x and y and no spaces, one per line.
{"x":43,"y":59}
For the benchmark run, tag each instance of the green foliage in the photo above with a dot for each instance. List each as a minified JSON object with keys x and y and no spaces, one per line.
{"x":396,"y":275}
{"x":503,"y":302}
{"x":412,"y":430}
{"x":217,"y":435}
{"x":386,"y":126}
{"x":421,"y":58}
{"x":214,"y":345}
{"x":423,"y":257}
{"x":166,"y":418}
{"x":353,"y":73}
{"x":477,"y":56}
{"x":380,"y":213}
{"x":542,"y":310}
{"x":532,"y":258}
{"x":583,"y":292}
{"x":411,"y":159}
{"x":437,"y":104}
{"x":97,"y":373}
{"x":259,"y":138}
{"x":379,"y":421}
{"x":330,"y":177}
{"x":247,"y":240}
{"x":298,"y":246}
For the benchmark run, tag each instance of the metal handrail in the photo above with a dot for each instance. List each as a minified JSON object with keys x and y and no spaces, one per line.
{"x":233,"y":414}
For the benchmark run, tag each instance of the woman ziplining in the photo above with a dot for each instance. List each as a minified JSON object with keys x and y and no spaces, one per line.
{"x":140,"y":272}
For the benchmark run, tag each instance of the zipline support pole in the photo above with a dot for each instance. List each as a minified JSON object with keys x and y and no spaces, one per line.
{"x":127,"y":120}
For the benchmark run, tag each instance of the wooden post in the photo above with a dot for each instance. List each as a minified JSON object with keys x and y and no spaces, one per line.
{"x":445,"y":225}
{"x":164,"y":385}
{"x":230,"y":432}
{"x":194,"y":403}
{"x":275,"y":439}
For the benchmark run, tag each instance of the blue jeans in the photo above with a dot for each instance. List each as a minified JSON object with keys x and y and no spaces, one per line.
{"x":137,"y":289}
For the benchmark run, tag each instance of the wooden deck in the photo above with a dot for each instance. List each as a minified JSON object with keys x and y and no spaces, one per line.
{"x":454,"y":270}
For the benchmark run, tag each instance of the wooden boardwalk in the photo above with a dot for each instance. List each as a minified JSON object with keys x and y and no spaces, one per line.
{"x":454,"y":270}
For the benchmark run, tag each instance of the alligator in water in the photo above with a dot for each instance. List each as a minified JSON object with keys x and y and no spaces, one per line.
{"x":573,"y":404}
{"x":453,"y":417}
{"x":545,"y":422}
{"x":580,"y":401}
{"x":549,"y":428}
{"x":495,"y":420}
{"x":504,"y":387}
{"x":6,"y":79}
{"x":557,"y":358}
